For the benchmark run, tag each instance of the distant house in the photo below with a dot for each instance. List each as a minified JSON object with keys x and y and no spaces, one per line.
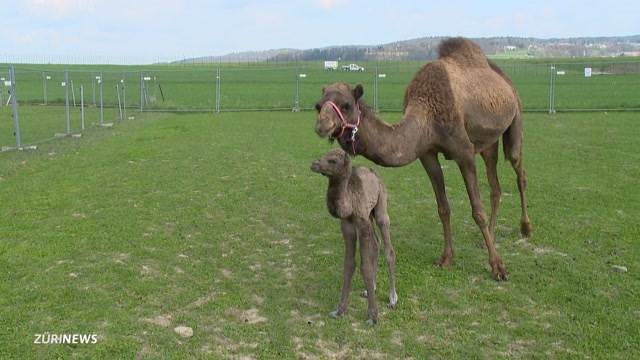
{"x":510,"y":48}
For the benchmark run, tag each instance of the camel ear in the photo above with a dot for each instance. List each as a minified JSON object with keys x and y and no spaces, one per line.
{"x":323,"y":89}
{"x":357,"y":92}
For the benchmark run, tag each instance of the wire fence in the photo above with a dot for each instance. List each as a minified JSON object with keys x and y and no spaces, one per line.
{"x":51,"y":101}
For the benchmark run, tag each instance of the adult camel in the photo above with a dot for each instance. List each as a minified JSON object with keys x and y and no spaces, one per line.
{"x":458,"y":105}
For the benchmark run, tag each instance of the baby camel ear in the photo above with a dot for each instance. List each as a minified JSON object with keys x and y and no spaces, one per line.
{"x":358,"y":91}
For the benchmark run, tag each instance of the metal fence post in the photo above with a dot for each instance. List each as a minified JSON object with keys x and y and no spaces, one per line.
{"x":44,"y":88}
{"x":141,"y":91}
{"x":66,"y":100}
{"x":82,"y":107}
{"x":124,"y":99}
{"x":552,"y":94}
{"x":375,"y":92}
{"x":296,"y":106}
{"x":218,"y":83}
{"x":73,"y":94}
{"x":14,"y":105}
{"x":2,"y":91}
{"x":101,"y":101}
{"x":93,"y":87}
{"x":119,"y":104}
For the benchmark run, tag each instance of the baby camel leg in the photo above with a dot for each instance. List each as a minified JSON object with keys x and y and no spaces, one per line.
{"x":368,"y":260}
{"x":382,"y":219}
{"x":349,"y":234}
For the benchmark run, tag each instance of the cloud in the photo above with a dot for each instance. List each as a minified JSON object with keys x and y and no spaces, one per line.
{"x":330,"y":4}
{"x":59,"y":8}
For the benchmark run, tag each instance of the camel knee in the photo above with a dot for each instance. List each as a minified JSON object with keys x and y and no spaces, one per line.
{"x":390,"y":254}
{"x":522,"y":182}
{"x":444,"y":212}
{"x":480,"y":218}
{"x":383,"y":220}
{"x":495,"y":195}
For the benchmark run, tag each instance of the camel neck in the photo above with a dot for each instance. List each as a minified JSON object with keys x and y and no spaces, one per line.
{"x":337,"y":195}
{"x":385,"y":144}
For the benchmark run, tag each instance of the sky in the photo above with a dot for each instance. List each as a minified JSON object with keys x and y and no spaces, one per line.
{"x":140,"y":31}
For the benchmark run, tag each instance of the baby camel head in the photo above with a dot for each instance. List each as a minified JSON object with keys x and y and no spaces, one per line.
{"x":335,"y":163}
{"x":328,"y":123}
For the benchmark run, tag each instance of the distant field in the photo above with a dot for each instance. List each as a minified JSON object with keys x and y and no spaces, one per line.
{"x":215,"y":222}
{"x":273,"y":85}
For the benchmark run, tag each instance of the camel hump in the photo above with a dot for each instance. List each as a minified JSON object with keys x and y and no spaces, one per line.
{"x":462,"y":51}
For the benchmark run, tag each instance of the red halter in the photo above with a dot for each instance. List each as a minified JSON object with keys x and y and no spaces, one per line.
{"x":346,"y":125}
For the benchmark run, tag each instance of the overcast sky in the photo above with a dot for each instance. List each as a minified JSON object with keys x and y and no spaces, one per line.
{"x":147,"y":30}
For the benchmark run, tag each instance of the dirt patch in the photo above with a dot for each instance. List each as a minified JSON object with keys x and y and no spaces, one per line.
{"x":257,"y":299}
{"x":331,"y":350}
{"x":539,"y":250}
{"x":200,"y":301}
{"x":121,"y":258}
{"x":396,"y":338}
{"x":520,"y":348}
{"x":250,"y":316}
{"x":160,"y":320}
{"x":148,"y":270}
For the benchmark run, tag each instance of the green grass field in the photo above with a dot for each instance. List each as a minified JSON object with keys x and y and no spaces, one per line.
{"x":216,"y":222}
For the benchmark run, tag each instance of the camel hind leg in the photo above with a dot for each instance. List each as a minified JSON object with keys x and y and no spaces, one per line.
{"x":512,"y":143}
{"x":382,"y":219}
{"x":468,"y":169}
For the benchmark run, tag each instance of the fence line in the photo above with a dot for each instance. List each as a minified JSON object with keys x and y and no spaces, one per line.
{"x":38,"y":91}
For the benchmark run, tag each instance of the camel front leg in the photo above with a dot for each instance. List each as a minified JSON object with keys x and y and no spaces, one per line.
{"x":432,"y":166}
{"x":468,"y":170}
{"x":350,"y":237}
{"x":490,"y":157}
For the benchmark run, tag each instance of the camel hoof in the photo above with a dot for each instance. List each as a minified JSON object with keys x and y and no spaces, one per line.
{"x":364,"y":294}
{"x":444,"y":262}
{"x":526,"y":229}
{"x":372,"y":322}
{"x":393,"y":299}
{"x":336,"y":314}
{"x":498,"y":271}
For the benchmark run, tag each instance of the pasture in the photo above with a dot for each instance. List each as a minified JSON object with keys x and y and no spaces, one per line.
{"x":216,"y":222}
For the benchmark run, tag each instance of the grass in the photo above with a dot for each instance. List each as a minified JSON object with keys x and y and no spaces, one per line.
{"x":215,"y":222}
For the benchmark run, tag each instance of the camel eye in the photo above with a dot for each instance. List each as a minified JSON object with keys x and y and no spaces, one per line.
{"x":346,"y":107}
{"x":318,"y":107}
{"x":332,"y":161}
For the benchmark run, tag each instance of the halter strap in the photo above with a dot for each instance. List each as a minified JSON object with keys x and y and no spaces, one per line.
{"x":346,"y":125}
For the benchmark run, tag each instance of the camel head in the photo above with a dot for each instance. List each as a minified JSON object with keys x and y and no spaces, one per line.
{"x":329,"y":122}
{"x":334,"y":163}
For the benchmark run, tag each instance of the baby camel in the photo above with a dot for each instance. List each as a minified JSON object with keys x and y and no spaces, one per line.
{"x":356,"y":196}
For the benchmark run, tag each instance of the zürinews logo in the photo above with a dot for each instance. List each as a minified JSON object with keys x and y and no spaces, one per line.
{"x":53,"y":339}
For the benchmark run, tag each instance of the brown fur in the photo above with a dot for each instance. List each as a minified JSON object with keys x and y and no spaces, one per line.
{"x":459,"y":105}
{"x":357,"y":196}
